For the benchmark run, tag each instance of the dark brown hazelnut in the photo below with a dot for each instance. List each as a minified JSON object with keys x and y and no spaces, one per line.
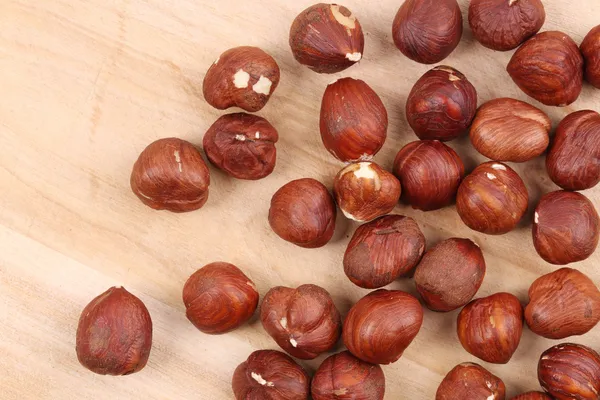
{"x":272,"y":375}
{"x":428,"y":31}
{"x":570,"y":371}
{"x":303,"y":321}
{"x":573,"y":160}
{"x":114,"y":335}
{"x":303,"y":212}
{"x":590,"y":48}
{"x":565,"y":228}
{"x":470,"y":381}
{"x":243,"y":77}
{"x":492,"y":199}
{"x":343,"y":376}
{"x":327,"y":38}
{"x":490,"y":328}
{"x":510,"y":130}
{"x":219,"y":298}
{"x":365,"y":191}
{"x":532,"y":396}
{"x":170,"y":174}
{"x":354,"y":120}
{"x":450,"y":274}
{"x":549,"y":68}
{"x":563,"y":303}
{"x":504,"y":24}
{"x":381,"y":325}
{"x":429,"y":173}
{"x":441,"y":105}
{"x":383,"y":250}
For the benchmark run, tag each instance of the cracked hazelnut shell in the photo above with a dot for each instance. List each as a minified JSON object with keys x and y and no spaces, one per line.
{"x":470,"y":381}
{"x":532,"y":396}
{"x":590,"y":48}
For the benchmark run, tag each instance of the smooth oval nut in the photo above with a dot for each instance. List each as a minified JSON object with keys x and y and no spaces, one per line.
{"x":590,"y":48}
{"x":470,"y":381}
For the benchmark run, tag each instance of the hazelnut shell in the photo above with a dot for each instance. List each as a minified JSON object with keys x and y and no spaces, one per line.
{"x":590,"y":48}
{"x":470,"y":381}
{"x":532,"y":396}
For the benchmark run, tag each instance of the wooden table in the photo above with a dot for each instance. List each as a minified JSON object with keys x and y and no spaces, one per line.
{"x":86,"y":85}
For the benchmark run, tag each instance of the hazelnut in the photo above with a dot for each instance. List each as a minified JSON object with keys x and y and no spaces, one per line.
{"x":570,"y":371}
{"x":354,"y":120}
{"x":219,"y":298}
{"x":383,"y":250}
{"x":327,"y":38}
{"x":426,"y":31}
{"x":242,"y":145}
{"x":504,"y":24}
{"x":470,"y":381}
{"x":565,"y":228}
{"x":365,"y":191}
{"x":343,"y":376}
{"x":549,"y":68}
{"x":510,"y":130}
{"x":381,"y":325}
{"x":429,"y":173}
{"x":114,"y":335}
{"x":532,"y":396}
{"x":572,"y":161}
{"x":170,"y":174}
{"x":590,"y":48}
{"x":450,"y":274}
{"x":441,"y":105}
{"x":490,"y":328}
{"x":243,"y":77}
{"x":492,"y":199}
{"x":303,"y":212}
{"x":304,"y":321}
{"x":270,"y":374}
{"x":563,"y":303}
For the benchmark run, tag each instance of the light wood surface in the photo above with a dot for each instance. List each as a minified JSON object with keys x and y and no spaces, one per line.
{"x":85,"y":85}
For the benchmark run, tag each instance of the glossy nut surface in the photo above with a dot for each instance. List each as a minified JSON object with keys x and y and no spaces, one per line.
{"x":470,"y":381}
{"x":510,"y":130}
{"x":353,"y":120}
{"x":170,"y":174}
{"x":429,"y":173}
{"x":427,"y":31}
{"x":590,"y":48}
{"x":327,"y":38}
{"x":383,"y":250}
{"x":303,"y":321}
{"x":532,"y":396}
{"x":565,"y":228}
{"x":114,"y":335}
{"x":219,"y":298}
{"x":243,"y":77}
{"x":242,"y":145}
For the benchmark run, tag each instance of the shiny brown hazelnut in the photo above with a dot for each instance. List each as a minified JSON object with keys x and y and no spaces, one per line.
{"x":450,"y":274}
{"x":549,"y":68}
{"x":381,"y":325}
{"x":304,"y":321}
{"x":243,"y":77}
{"x":573,"y":161}
{"x":219,"y":298}
{"x":471,"y":381}
{"x":563,"y":303}
{"x":504,"y":24}
{"x":429,"y":173}
{"x":570,"y":371}
{"x":383,"y":250}
{"x":510,"y":130}
{"x":492,"y":199}
{"x":353,"y":121}
{"x":428,"y":31}
{"x":114,"y":335}
{"x":303,"y":212}
{"x":327,"y":38}
{"x":170,"y":174}
{"x":272,"y":375}
{"x":441,"y":105}
{"x":490,"y":328}
{"x":243,"y":145}
{"x":365,"y":191}
{"x":565,"y":228}
{"x":532,"y":396}
{"x":590,"y":48}
{"x":343,"y":376}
